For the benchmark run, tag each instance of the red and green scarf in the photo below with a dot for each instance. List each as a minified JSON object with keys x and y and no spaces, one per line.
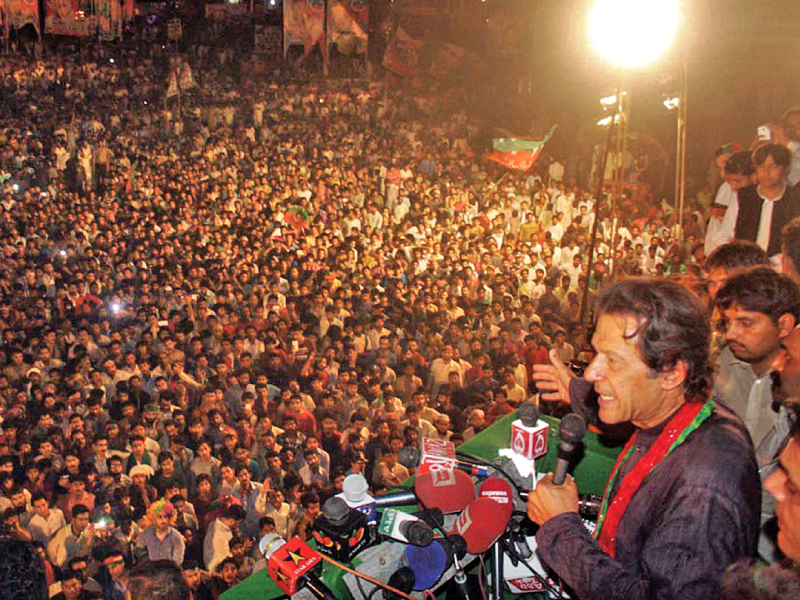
{"x":688,"y":418}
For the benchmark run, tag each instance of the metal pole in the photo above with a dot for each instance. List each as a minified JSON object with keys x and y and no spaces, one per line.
{"x":597,"y":213}
{"x":497,"y":570}
{"x":325,"y":39}
{"x":682,"y":141}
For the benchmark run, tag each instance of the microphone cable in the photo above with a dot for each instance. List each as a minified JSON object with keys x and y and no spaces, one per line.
{"x":485,"y":463}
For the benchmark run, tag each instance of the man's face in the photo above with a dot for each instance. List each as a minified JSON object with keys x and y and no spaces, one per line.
{"x":628,"y":389}
{"x":161,"y":521}
{"x":752,"y":336}
{"x":81,"y":522}
{"x":71,"y":588}
{"x":40,"y":508}
{"x":737,"y":181}
{"x":193,"y":578}
{"x":788,"y":365}
{"x":784,"y":485}
{"x":313,"y":460}
{"x":769,"y":174}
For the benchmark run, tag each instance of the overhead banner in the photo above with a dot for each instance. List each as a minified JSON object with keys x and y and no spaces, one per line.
{"x":303,"y":23}
{"x":22,"y":12}
{"x":128,"y":11}
{"x":348,"y":24}
{"x":67,"y":17}
{"x":225,"y":11}
{"x":408,"y":56}
{"x":109,"y":19}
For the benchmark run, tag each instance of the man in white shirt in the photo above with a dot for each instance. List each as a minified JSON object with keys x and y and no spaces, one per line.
{"x":45,"y":520}
{"x":220,"y":532}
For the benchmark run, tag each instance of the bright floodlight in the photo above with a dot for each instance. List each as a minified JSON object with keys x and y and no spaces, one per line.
{"x":633,"y":33}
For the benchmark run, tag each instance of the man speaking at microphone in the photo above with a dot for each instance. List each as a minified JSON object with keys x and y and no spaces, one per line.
{"x":683,"y":500}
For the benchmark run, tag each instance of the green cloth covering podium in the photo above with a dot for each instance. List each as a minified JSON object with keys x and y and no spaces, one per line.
{"x":591,"y":475}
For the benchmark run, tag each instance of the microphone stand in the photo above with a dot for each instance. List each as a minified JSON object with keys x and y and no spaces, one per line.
{"x":497,"y":569}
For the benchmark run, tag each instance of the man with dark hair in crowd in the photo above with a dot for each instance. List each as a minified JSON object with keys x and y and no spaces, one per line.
{"x":790,"y":250}
{"x":158,"y":580}
{"x":683,"y":500}
{"x":759,"y":309}
{"x":729,"y":258}
{"x":761,"y":211}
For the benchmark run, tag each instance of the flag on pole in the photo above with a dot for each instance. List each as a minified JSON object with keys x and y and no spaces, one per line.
{"x":516,"y":153}
{"x":172,"y":85}
{"x":187,"y":79}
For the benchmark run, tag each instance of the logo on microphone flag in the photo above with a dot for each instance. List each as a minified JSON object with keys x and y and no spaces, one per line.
{"x":290,"y":562}
{"x":530,"y":442}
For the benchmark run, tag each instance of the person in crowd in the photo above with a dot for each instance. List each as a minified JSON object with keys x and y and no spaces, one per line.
{"x":161,"y":541}
{"x":158,"y":580}
{"x":74,"y":539}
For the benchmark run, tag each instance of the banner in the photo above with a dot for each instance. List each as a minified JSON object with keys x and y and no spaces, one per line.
{"x":267,"y":39}
{"x":109,"y":19}
{"x":67,"y":17}
{"x":303,"y":23}
{"x":348,"y":24}
{"x":408,"y":56}
{"x":22,"y":12}
{"x":129,"y":11}
{"x":226,"y":11}
{"x":518,"y":154}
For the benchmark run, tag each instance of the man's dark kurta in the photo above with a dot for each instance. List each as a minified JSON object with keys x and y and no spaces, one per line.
{"x":695,"y":513}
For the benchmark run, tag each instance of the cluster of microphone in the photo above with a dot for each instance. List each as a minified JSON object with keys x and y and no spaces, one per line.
{"x":412,"y":540}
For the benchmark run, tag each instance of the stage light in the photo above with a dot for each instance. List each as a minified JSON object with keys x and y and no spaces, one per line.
{"x":672,"y":103}
{"x":606,"y":121}
{"x":633,"y":33}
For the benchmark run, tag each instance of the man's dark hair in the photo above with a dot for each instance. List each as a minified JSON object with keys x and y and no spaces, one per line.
{"x":762,"y":290}
{"x":264,"y":521}
{"x":672,"y":326}
{"x":80,"y":509}
{"x":791,"y":243}
{"x":235,"y":511}
{"x":22,"y":575}
{"x":158,"y":580}
{"x":740,"y":163}
{"x":780,"y":154}
{"x":746,"y":581}
{"x":736,"y":254}
{"x":309,"y":498}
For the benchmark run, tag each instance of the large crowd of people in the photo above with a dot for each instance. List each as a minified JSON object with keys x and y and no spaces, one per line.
{"x":213,"y":311}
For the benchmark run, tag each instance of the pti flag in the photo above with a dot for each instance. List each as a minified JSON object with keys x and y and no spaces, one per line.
{"x":517,"y":153}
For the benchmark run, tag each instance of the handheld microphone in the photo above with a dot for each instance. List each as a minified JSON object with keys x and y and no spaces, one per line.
{"x":340,"y":531}
{"x":405,"y":528}
{"x":293,"y":565}
{"x":571,"y":432}
{"x":481,"y":524}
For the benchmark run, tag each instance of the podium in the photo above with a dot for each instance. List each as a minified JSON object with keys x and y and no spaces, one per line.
{"x":591,"y":475}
